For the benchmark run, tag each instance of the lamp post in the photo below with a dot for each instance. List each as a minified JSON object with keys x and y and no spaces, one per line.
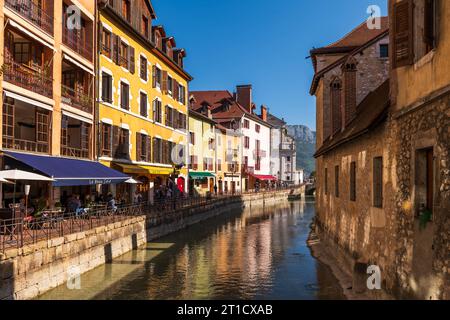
{"x":27,"y":193}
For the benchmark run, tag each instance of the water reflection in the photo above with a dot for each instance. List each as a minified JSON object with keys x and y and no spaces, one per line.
{"x":260,"y":253}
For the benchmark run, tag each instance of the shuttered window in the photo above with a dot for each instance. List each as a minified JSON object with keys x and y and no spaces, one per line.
{"x":142,"y":147}
{"x":124,"y":96}
{"x":106,"y":130}
{"x":430,"y":24}
{"x":157,"y":111}
{"x":378,"y":182}
{"x":106,"y":87}
{"x":143,"y":68}
{"x":353,"y":181}
{"x":143,"y":105}
{"x":336,"y":181}
{"x":403,"y":33}
{"x":131,"y":60}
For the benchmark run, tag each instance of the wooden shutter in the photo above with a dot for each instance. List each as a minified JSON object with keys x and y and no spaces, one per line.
{"x":131,"y":60}
{"x":116,"y":45}
{"x":164,"y":82}
{"x":138,"y":147}
{"x":430,"y":24}
{"x":149,"y":149}
{"x":154,"y":76}
{"x":378,"y":182}
{"x":175,"y":90}
{"x":116,"y":138}
{"x":403,"y":33}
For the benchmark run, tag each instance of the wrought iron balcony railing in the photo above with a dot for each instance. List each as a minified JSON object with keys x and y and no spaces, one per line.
{"x":72,"y":40}
{"x":33,"y":13}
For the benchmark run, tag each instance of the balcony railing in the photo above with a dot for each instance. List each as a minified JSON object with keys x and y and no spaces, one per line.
{"x":27,"y":78}
{"x":74,"y":152}
{"x":77,"y":99}
{"x":82,"y":48}
{"x":33,"y":13}
{"x":288,"y":146}
{"x":25,"y":145}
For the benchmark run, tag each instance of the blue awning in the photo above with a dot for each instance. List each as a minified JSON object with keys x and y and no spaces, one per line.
{"x":70,"y":172}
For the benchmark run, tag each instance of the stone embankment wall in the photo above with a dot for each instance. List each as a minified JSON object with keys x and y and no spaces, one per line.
{"x":32,"y":270}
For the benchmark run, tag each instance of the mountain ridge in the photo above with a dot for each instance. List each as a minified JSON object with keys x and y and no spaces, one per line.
{"x":305,"y":140}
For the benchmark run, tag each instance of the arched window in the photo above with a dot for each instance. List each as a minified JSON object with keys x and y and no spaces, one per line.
{"x":336,"y":115}
{"x":349,"y":86}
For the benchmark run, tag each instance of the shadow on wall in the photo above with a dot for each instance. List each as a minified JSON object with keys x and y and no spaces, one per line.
{"x":7,"y":281}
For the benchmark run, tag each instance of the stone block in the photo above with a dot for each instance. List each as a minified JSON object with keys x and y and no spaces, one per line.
{"x":56,"y":242}
{"x":69,"y":238}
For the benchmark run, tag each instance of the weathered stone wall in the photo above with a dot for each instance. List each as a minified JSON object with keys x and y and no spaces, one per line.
{"x":423,"y":255}
{"x":32,"y":270}
{"x":357,"y":231}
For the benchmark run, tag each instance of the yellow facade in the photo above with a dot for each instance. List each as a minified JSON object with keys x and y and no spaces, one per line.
{"x":202,"y":153}
{"x":132,"y":120}
{"x":228,"y":156}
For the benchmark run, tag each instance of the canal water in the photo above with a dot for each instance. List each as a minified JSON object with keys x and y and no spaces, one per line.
{"x":256,"y":253}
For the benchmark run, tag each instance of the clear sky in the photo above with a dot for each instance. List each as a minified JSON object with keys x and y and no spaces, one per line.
{"x":260,"y":42}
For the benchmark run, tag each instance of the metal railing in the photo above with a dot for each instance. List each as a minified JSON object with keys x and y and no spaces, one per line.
{"x":25,"y":145}
{"x":27,"y":78}
{"x":19,"y":232}
{"x":33,"y":13}
{"x":77,"y":99}
{"x":75,"y":152}
{"x":72,"y":40}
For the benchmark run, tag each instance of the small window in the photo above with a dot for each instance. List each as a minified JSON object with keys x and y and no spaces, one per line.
{"x":247,"y":142}
{"x":257,"y":128}
{"x":384,"y":51}
{"x":145,"y":26}
{"x":106,"y":43}
{"x":157,"y":111}
{"x":143,"y":105}
{"x":126,"y":10}
{"x":106,"y":140}
{"x":144,"y":68}
{"x":106,"y":87}
{"x":246,"y":124}
{"x":124,"y":96}
{"x":336,"y":181}
{"x":353,"y":181}
{"x":288,"y":159}
{"x":123,"y":55}
{"x":170,"y":86}
{"x":192,"y":138}
{"x":378,"y":182}
{"x":326,"y":181}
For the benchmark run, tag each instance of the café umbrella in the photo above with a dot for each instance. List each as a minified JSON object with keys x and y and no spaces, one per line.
{"x":20,"y":175}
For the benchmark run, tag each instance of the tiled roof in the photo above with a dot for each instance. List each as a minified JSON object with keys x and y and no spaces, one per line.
{"x":360,"y":35}
{"x":370,"y":112}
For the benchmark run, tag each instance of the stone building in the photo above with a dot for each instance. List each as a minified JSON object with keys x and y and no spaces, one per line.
{"x":421,"y":136}
{"x":351,"y":85}
{"x":383,"y":189}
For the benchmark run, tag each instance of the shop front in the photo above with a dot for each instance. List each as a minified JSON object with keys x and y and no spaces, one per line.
{"x":260,"y":182}
{"x":201,"y":183}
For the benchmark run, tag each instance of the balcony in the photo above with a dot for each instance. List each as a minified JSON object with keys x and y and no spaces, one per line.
{"x":28,"y":77}
{"x":77,"y":88}
{"x":75,"y":138}
{"x":288,"y":146}
{"x":25,"y":127}
{"x":34,"y":13}
{"x":75,"y":42}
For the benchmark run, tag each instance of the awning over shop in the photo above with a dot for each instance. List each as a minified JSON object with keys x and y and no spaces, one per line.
{"x":201,"y":175}
{"x":70,"y":172}
{"x":144,"y":170}
{"x":264,"y":177}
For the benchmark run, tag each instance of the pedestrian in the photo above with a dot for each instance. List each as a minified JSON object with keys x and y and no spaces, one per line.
{"x":215,"y":189}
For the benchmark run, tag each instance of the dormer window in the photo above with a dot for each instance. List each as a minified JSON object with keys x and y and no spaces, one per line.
{"x":126,"y":10}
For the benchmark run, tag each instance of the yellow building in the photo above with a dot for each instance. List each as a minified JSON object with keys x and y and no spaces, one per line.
{"x":142,"y":99}
{"x":228,"y":160}
{"x":202,"y":153}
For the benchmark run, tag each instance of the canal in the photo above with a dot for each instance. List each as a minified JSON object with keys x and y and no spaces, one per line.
{"x":256,"y":253}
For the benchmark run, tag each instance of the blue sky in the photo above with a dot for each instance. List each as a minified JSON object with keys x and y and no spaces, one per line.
{"x":260,"y":42}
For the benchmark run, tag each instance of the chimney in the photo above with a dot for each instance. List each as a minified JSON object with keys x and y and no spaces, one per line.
{"x":264,"y":113}
{"x":244,"y":96}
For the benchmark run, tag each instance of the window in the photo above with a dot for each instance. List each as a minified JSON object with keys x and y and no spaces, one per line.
{"x":219,"y":164}
{"x":430,"y":25}
{"x":143,"y":105}
{"x":126,"y":10}
{"x":211,"y":144}
{"x":193,"y":164}
{"x":246,"y":162}
{"x":106,"y":43}
{"x":121,"y":143}
{"x":288,"y":159}
{"x":157,"y":77}
{"x":257,"y":128}
{"x":181,"y":94}
{"x":192,"y":137}
{"x":336,"y":115}
{"x":336,"y":181}
{"x":384,"y":51}
{"x":123,"y":55}
{"x":144,"y":67}
{"x":246,"y":124}
{"x":124,"y":96}
{"x":170,"y":86}
{"x":326,"y":181}
{"x":246,"y":142}
{"x":258,"y":155}
{"x":378,"y":182}
{"x":157,"y":111}
{"x":403,"y":33}
{"x":107,"y":88}
{"x":106,"y":140}
{"x":142,"y":147}
{"x":353,"y":181}
{"x":145,"y":26}
{"x":169,"y":117}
